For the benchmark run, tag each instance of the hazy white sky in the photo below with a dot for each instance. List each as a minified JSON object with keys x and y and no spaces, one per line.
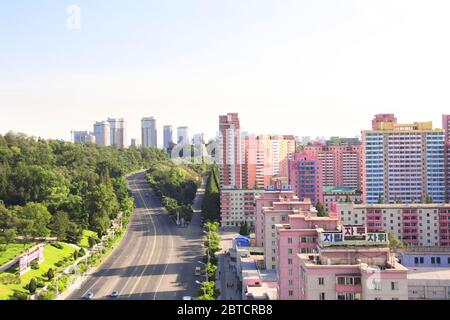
{"x":301,"y":67}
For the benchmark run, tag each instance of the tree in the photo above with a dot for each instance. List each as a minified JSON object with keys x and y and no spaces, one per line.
{"x":380,"y":199}
{"x":9,"y":235}
{"x":74,"y":233}
{"x":321,"y":212}
{"x":102,"y":206}
{"x":245,"y":229}
{"x":34,"y":218}
{"x":92,"y":241}
{"x":394,"y":242}
{"x":208,"y":291}
{"x":50,"y":274}
{"x":60,"y":225}
{"x":32,"y":286}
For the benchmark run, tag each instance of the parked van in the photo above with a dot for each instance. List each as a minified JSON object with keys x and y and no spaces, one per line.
{"x":198,"y":271}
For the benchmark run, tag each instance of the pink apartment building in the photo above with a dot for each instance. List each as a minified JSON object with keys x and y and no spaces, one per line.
{"x":265,"y":157}
{"x":230,"y":161}
{"x":238,"y":206}
{"x":272,"y":208}
{"x":351,"y":270}
{"x":341,"y":164}
{"x":299,"y":235}
{"x":383,"y":117}
{"x":306,"y":177}
{"x":417,"y":224}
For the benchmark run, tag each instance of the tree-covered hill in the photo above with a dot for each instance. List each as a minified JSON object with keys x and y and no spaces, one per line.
{"x":51,"y":187}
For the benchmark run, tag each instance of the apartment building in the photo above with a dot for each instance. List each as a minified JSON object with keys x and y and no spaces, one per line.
{"x":417,"y":224}
{"x":403,"y":162}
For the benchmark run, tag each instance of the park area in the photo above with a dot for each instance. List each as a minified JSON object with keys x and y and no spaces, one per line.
{"x":57,"y":256}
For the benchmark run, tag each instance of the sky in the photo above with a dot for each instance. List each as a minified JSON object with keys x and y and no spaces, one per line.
{"x":301,"y":67}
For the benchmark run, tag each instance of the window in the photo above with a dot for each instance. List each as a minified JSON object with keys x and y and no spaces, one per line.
{"x":291,"y":282}
{"x":289,"y":261}
{"x":322,"y":296}
{"x":416,"y":260}
{"x":421,"y":259}
{"x":291,"y":293}
{"x":438,"y":260}
{"x":321,"y":281}
{"x":433,"y":260}
{"x":394,"y":285}
{"x":289,"y":240}
{"x":290,"y":250}
{"x":290,"y":272}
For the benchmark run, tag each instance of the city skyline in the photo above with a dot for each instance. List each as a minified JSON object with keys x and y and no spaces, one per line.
{"x":297,"y":58}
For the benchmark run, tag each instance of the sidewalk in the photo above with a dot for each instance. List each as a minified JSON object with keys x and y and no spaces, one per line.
{"x":227,"y":276}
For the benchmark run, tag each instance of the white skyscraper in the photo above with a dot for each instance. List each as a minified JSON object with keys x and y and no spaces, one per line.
{"x":149,"y":133}
{"x":168,"y":136}
{"x":198,"y":138}
{"x":102,"y":133}
{"x":82,"y":136}
{"x":118,"y":136}
{"x":183,"y":135}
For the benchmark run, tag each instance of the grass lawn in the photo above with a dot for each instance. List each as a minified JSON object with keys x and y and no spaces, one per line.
{"x":52,"y":255}
{"x":13,"y":250}
{"x":84,"y":242}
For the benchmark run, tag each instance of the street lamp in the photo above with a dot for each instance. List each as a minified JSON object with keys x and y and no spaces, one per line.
{"x":206,"y":269}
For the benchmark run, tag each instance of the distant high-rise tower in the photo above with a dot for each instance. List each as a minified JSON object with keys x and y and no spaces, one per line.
{"x":118,"y":136}
{"x":102,"y":133}
{"x":82,"y":137}
{"x":231,"y":149}
{"x":168,"y":136}
{"x":135,"y":143}
{"x":149,"y":133}
{"x":183,"y":135}
{"x":198,"y":138}
{"x":403,"y":162}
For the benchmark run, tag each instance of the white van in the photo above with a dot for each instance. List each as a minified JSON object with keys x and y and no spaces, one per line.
{"x":198,"y":271}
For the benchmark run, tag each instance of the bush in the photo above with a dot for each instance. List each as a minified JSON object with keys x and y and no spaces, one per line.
{"x":32,"y":286}
{"x":50,"y":274}
{"x":18,"y":295}
{"x":47,"y":295}
{"x":81,"y":252}
{"x":9,"y":278}
{"x":57,"y":245}
{"x":59,"y":264}
{"x":34,"y":265}
{"x":92,"y":241}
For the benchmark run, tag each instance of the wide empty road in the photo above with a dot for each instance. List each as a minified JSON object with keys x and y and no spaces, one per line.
{"x":156,"y":260}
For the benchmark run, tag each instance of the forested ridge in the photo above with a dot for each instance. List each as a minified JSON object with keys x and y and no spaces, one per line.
{"x":56,"y":188}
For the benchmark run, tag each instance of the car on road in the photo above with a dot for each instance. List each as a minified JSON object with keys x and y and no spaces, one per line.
{"x":114,"y":294}
{"x":187,"y":298}
{"x":198,"y":271}
{"x":89,"y":296}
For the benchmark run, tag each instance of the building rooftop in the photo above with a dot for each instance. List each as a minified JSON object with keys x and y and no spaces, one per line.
{"x":428,"y":274}
{"x":340,"y":190}
{"x":400,"y":205}
{"x":314,"y":260}
{"x":425,"y":250}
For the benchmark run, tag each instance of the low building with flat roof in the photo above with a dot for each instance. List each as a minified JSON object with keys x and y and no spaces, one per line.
{"x":429,"y":284}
